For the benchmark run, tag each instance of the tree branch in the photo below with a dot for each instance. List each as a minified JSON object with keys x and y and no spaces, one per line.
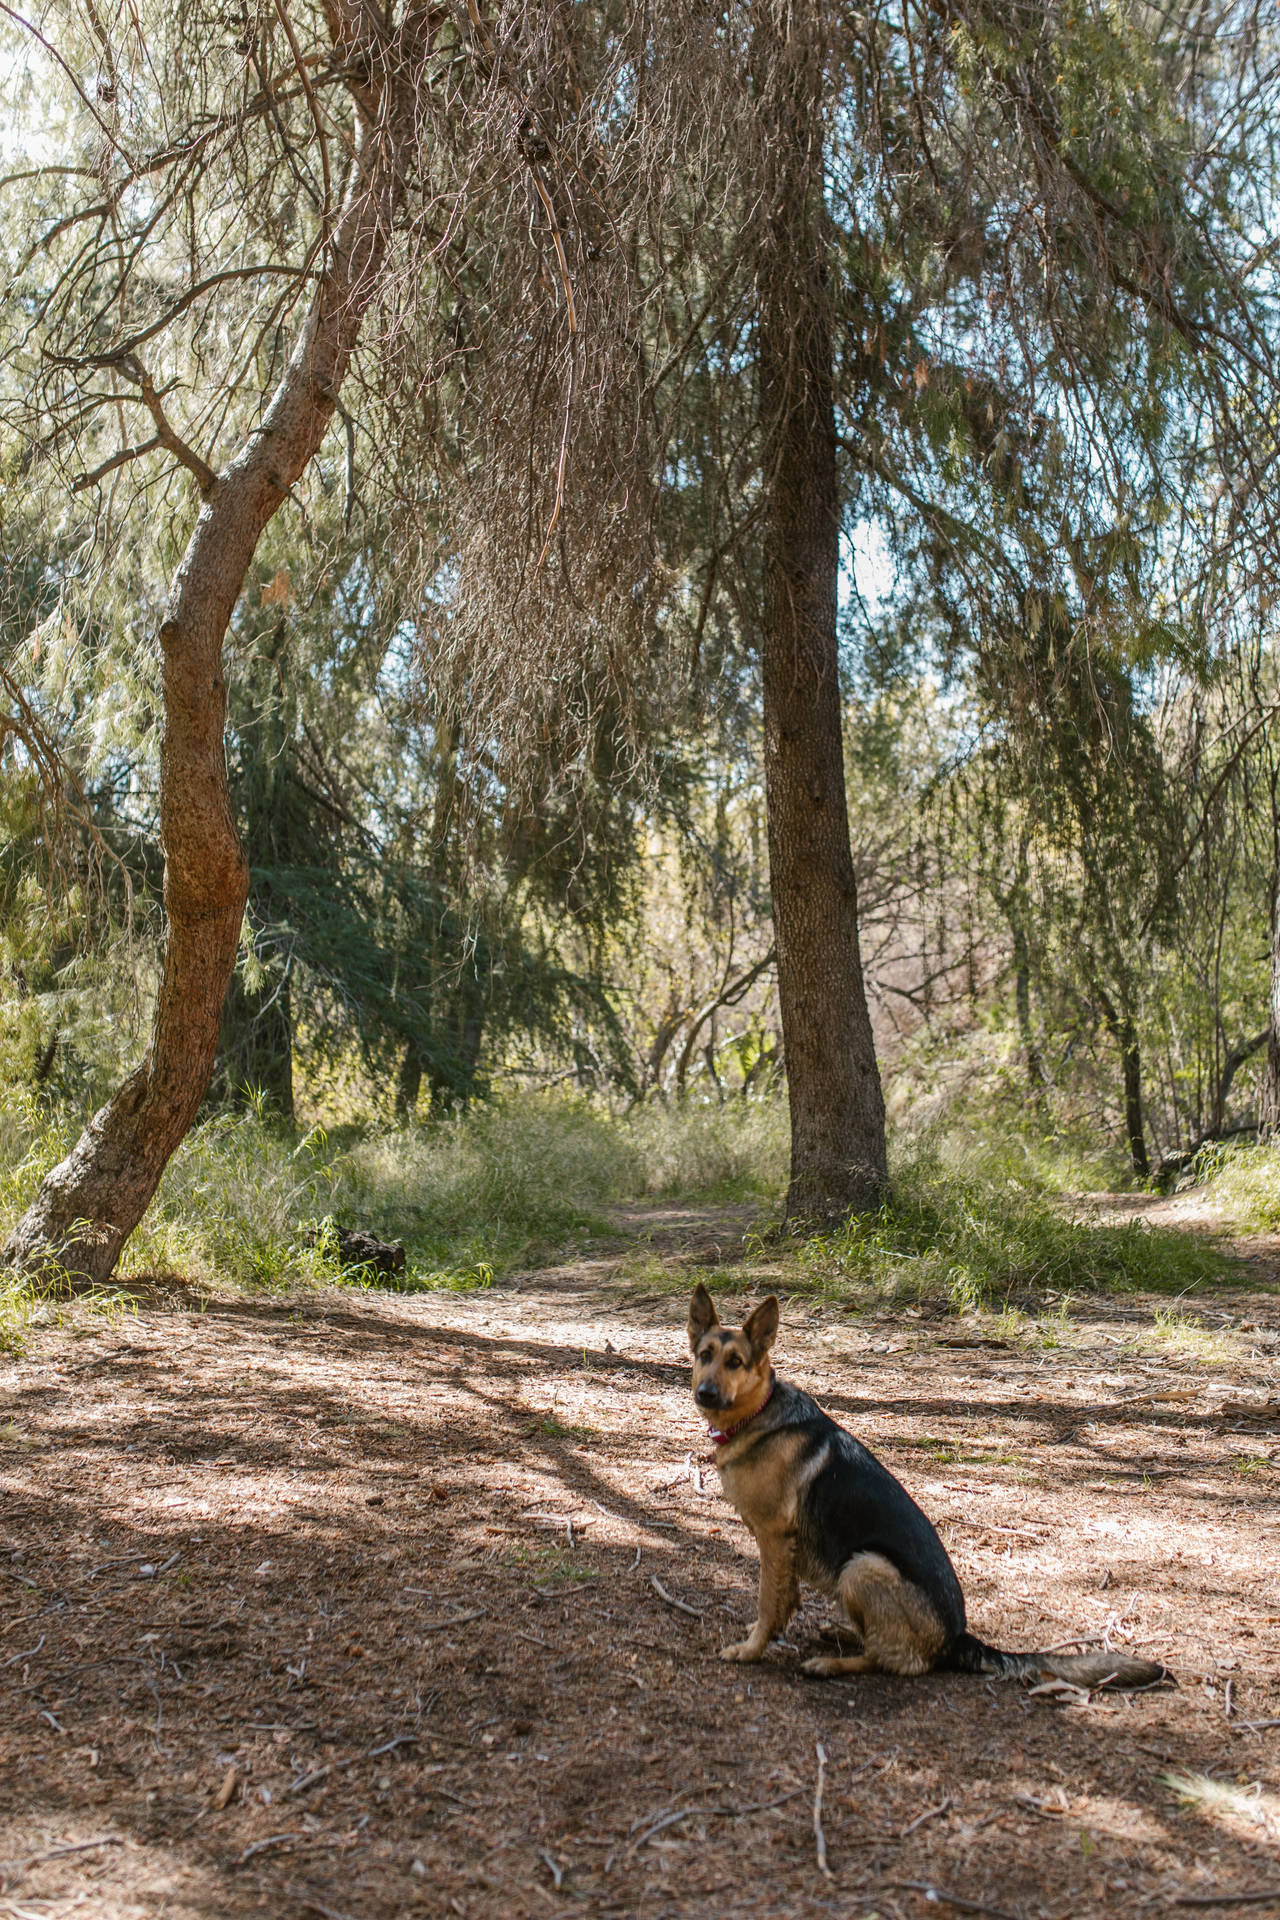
{"x":165,"y":435}
{"x":120,"y":459}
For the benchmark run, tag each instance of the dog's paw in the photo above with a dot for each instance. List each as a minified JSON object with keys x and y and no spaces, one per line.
{"x":823,"y":1666}
{"x":743,"y":1650}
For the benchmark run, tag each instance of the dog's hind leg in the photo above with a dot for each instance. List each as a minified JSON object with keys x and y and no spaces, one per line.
{"x":829,"y":1666}
{"x":898,"y":1626}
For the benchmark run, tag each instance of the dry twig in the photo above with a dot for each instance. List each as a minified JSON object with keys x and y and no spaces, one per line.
{"x":670,"y":1599}
{"x":557,"y":1873}
{"x":454,"y":1620}
{"x":819,"y":1837}
{"x":61,"y":1853}
{"x":930,"y":1813}
{"x":1256,"y":1897}
{"x":931,"y":1892}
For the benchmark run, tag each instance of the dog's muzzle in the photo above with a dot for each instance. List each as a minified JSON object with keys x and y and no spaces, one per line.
{"x":708,"y":1395}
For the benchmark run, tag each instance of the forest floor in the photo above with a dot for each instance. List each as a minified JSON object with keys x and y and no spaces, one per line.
{"x":359,"y":1604}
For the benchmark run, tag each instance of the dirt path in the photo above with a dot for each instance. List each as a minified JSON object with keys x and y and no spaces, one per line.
{"x":347,"y":1606}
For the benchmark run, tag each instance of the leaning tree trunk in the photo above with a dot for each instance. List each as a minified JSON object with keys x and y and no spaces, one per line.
{"x":838,"y":1159}
{"x":89,"y":1205}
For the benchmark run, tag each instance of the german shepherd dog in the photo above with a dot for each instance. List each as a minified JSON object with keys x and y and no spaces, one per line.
{"x":823,"y":1509}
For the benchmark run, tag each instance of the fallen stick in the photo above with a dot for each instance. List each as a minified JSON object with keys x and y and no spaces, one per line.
{"x":557,"y":1873}
{"x":930,"y":1813}
{"x":679,"y":1605}
{"x":309,"y":1779}
{"x":667,"y":1820}
{"x":454,"y":1620}
{"x":272,"y":1840}
{"x":1259,"y":1897}
{"x":30,"y":1654}
{"x":931,"y":1892}
{"x":819,"y":1837}
{"x":74,"y":1846}
{"x":709,"y":1813}
{"x":121,"y":1560}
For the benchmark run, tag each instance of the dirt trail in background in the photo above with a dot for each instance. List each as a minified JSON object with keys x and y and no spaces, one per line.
{"x":348,"y":1606}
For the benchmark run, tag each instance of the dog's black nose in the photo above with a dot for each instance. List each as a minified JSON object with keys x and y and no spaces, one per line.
{"x":707,"y":1395}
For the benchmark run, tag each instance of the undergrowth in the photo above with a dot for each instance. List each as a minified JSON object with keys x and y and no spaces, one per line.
{"x":959,"y":1237}
{"x":524,"y":1181}
{"x":512,"y":1183}
{"x":1244,"y":1183}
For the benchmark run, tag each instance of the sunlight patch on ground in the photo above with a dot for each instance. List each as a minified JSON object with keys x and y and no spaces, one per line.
{"x":1240,"y":1805}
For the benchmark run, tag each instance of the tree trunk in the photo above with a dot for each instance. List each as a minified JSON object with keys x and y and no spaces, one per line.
{"x":409,"y":1082}
{"x":838,"y":1158}
{"x":89,"y":1205}
{"x":1269,"y":1096}
{"x":1033,"y":1060}
{"x":1121,"y":1027}
{"x":452,"y":1077}
{"x":1131,"y":1064}
{"x":1236,"y":1057}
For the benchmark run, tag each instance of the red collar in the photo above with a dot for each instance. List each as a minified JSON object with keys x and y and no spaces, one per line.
{"x":719,"y":1436}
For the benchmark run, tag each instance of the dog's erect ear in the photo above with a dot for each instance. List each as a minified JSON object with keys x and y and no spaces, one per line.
{"x":761,"y":1327}
{"x":702,"y":1315}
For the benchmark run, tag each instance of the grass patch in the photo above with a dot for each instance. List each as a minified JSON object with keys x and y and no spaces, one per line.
{"x":525,"y":1181}
{"x":507,"y":1185}
{"x":556,"y":1429}
{"x":1245,"y":1183}
{"x":514,"y":1183}
{"x":1231,"y":1801}
{"x":956,"y":1236}
{"x":550,"y":1565}
{"x":1173,"y":1331}
{"x":974,"y":1452}
{"x":736,"y":1152}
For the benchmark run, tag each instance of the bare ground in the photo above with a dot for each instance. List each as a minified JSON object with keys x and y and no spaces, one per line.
{"x":347,"y":1605}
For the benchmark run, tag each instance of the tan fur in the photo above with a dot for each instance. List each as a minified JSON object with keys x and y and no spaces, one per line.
{"x":767,"y":1474}
{"x":765,"y":1495}
{"x":899,"y":1630}
{"x":737,"y":1361}
{"x":766,"y":1482}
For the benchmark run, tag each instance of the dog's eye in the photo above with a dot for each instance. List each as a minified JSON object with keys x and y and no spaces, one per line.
{"x":732,"y":1360}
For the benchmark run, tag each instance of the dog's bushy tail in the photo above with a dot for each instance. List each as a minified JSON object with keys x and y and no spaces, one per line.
{"x":1088,"y":1670}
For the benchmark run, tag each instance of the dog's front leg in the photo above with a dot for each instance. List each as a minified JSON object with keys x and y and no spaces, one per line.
{"x":779,"y":1596}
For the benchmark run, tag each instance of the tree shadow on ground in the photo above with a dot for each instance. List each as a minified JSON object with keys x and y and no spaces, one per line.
{"x":381,"y":1582}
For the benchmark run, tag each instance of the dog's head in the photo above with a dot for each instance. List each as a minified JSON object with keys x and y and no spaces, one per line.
{"x":731,"y":1368}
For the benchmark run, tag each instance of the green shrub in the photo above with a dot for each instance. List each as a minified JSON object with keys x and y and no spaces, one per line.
{"x":959,"y":1235}
{"x":515,"y":1182}
{"x":243,"y":1198}
{"x":738,"y":1151}
{"x":1244,"y":1184}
